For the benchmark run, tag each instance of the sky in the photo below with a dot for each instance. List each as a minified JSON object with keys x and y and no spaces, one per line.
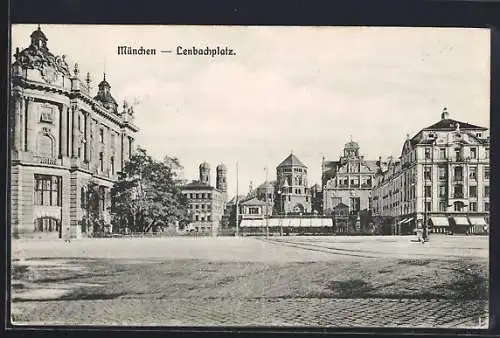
{"x":305,"y":90}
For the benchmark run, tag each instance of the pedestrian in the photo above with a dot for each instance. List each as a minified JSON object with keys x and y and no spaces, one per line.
{"x":420,"y":232}
{"x":67,"y":236}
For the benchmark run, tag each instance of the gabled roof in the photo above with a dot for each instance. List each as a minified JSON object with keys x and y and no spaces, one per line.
{"x":341,"y":205}
{"x":291,"y":160}
{"x":253,"y":201}
{"x":450,"y":124}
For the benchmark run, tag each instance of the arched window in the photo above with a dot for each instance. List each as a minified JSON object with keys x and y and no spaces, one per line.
{"x":458,"y":206}
{"x":45,"y":145}
{"x":83,"y":198}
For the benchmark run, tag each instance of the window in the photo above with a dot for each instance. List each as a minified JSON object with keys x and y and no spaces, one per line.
{"x":458,"y":206}
{"x":458,"y":173}
{"x":473,"y":153}
{"x":427,"y":173}
{"x":458,"y":191}
{"x":101,"y":135}
{"x":473,"y":173}
{"x":486,"y":173}
{"x":428,"y":191}
{"x":355,"y":203}
{"x":83,"y":198}
{"x":487,"y":152}
{"x":102,"y":198}
{"x":478,"y":134}
{"x":196,"y":217}
{"x":487,"y":206}
{"x":112,"y":165}
{"x":442,"y":206}
{"x":101,"y":161}
{"x":472,"y":191}
{"x":473,"y":206}
{"x":79,"y":122}
{"x":196,"y":206}
{"x":442,"y":153}
{"x":47,"y":190}
{"x":427,"y":153}
{"x":253,"y":211}
{"x":442,"y":191}
{"x":209,"y":218}
{"x":442,"y":173}
{"x":113,"y":140}
{"x":427,"y":206}
{"x":46,"y":224}
{"x":458,"y":154}
{"x":486,"y":191}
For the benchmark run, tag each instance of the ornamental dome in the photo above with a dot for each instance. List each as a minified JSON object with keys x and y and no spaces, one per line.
{"x":104,"y":96}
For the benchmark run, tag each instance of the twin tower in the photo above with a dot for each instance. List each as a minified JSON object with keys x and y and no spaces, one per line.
{"x":221,"y":177}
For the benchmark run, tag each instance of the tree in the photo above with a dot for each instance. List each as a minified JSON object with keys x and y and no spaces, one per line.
{"x":146,"y":195}
{"x":90,"y":203}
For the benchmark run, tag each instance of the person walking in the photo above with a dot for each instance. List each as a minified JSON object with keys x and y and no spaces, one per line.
{"x":420,"y":233}
{"x":67,"y":236}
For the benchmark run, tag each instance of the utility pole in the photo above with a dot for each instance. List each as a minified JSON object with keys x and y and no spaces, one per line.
{"x":237,"y":201}
{"x":267,"y":207}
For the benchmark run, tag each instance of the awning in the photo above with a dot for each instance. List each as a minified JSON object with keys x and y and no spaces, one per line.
{"x":477,"y":221}
{"x":440,"y":221}
{"x":403,"y":221}
{"x":406,"y":220}
{"x":461,"y":221}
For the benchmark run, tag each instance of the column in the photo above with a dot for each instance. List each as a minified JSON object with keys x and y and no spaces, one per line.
{"x":64,"y":130}
{"x":28,"y":132}
{"x":75,"y":133}
{"x":87,"y":138}
{"x":17,"y":121}
{"x":106,"y":155}
{"x":22,"y":122}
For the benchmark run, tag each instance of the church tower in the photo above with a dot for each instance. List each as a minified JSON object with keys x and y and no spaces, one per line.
{"x":293,"y":192}
{"x":205,"y":173}
{"x":221,"y":181}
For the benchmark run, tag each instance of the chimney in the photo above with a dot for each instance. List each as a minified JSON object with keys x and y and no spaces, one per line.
{"x":444,"y":114}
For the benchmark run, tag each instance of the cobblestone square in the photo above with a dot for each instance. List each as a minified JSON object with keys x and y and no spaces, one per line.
{"x":283,"y":281}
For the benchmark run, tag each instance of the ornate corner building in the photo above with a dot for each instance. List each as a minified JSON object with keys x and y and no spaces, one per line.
{"x":62,"y":139}
{"x":441,"y":180}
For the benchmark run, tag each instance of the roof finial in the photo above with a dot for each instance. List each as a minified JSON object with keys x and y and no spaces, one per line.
{"x":39,"y":27}
{"x":444,"y":114}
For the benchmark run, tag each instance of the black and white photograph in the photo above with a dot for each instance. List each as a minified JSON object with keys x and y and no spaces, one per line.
{"x":249,"y":176}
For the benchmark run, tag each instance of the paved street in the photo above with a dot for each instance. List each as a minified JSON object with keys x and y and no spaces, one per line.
{"x":289,"y":281}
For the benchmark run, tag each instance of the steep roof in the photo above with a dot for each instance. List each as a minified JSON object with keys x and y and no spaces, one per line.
{"x":450,"y":124}
{"x":253,"y":201}
{"x":197,"y":185}
{"x":291,"y":160}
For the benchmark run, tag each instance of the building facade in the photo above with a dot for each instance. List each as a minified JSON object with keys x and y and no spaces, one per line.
{"x":348,"y":181}
{"x":293,"y":195}
{"x":440,"y":181}
{"x":206,"y":203}
{"x":62,"y":138}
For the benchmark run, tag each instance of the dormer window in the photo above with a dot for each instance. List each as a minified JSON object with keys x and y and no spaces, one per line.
{"x":479,"y":134}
